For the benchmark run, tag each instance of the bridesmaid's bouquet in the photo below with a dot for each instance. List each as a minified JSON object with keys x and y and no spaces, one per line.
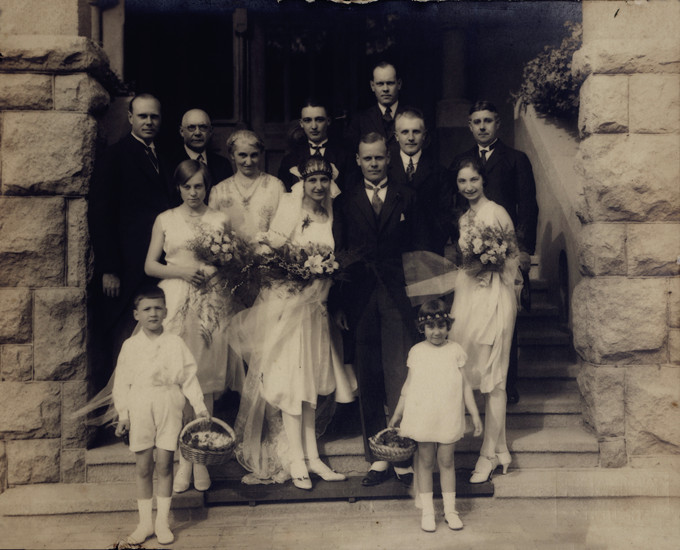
{"x":486,"y":248}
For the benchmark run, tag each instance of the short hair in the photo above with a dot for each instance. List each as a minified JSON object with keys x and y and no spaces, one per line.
{"x":187,"y":169}
{"x":148,"y":292}
{"x":470,"y":162}
{"x":315,"y":165}
{"x":383,"y":65}
{"x":248,"y":136}
{"x":314,"y":102}
{"x":483,"y":105}
{"x":409,"y":112}
{"x":373,"y":137}
{"x":142,"y":95}
{"x":431,"y":311}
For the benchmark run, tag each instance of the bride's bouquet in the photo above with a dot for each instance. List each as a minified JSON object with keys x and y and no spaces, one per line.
{"x":486,"y":248}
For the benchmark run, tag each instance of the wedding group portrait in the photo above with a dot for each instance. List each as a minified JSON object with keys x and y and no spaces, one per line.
{"x":366,"y":274}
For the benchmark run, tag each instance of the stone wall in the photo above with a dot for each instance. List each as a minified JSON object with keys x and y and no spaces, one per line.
{"x":50,"y":98}
{"x":627,"y":307}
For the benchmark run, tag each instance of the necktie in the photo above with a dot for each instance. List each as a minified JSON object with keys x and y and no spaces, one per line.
{"x":410,"y":169}
{"x":317,"y":150}
{"x":200,"y":158}
{"x":482,"y":156}
{"x":152,"y":158}
{"x":387,"y":116}
{"x":376,"y":201}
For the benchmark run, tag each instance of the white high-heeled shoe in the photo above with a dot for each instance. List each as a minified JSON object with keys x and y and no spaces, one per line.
{"x":484,"y":469}
{"x":300,"y":475}
{"x":504,"y":459}
{"x":315,"y":466}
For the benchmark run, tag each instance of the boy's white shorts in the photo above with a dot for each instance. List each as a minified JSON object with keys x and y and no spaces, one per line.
{"x":155,"y":417}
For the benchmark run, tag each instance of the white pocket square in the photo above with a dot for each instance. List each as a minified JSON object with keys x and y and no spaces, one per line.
{"x":402,"y":217}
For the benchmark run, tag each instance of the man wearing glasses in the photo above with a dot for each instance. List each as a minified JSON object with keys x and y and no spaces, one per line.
{"x":196,"y":132}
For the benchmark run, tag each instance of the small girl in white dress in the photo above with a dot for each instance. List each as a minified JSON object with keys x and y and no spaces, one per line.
{"x":431,"y":410}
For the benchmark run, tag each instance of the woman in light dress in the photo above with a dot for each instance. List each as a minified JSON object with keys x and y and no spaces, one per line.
{"x":294,"y":353}
{"x":484,"y":309}
{"x":196,"y":313}
{"x":250,"y":197}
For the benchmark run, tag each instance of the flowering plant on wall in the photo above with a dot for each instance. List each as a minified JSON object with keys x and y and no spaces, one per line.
{"x":547,"y":82}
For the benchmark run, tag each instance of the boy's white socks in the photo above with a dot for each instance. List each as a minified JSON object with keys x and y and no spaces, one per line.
{"x":427,"y":522}
{"x":145,"y":526}
{"x":450,"y":513}
{"x":163,"y":533}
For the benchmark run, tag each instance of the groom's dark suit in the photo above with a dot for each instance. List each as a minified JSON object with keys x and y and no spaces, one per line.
{"x":373,"y":297}
{"x":125,"y":199}
{"x":434,"y":187}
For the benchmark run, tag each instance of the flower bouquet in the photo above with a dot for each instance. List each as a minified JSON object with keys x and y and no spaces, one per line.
{"x":207,"y":441}
{"x":486,"y":248}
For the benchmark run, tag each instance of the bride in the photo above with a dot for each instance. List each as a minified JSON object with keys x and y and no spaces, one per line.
{"x":294,"y":353}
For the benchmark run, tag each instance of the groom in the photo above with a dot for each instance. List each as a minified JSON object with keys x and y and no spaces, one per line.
{"x":373,"y":219}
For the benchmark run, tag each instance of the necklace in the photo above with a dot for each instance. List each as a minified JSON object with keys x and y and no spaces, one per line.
{"x":245,"y":200}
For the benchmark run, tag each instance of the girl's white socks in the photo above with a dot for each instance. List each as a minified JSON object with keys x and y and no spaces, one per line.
{"x":163,"y":533}
{"x":450,"y":513}
{"x":427,"y":522}
{"x":145,"y":526}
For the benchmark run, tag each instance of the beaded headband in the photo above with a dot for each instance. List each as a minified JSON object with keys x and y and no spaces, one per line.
{"x":433,"y":317}
{"x":314,"y":166}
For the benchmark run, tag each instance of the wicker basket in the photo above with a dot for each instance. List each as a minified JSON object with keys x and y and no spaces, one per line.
{"x":206,"y":457}
{"x":391,"y":454}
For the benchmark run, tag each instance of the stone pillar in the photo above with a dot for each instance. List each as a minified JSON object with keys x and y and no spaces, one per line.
{"x":50,"y":96}
{"x":627,"y":307}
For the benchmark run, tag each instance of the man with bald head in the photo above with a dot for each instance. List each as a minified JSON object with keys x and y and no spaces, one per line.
{"x":196,"y":131}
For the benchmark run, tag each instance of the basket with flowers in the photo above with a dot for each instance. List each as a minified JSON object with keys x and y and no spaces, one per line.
{"x":207,"y":441}
{"x":390,"y":446}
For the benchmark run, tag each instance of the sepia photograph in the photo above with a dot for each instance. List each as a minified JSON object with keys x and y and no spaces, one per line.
{"x":356,"y":274}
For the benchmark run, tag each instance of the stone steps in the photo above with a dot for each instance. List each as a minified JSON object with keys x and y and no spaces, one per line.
{"x":580,"y":485}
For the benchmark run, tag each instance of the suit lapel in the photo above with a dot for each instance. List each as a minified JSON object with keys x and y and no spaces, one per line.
{"x":495,"y":158}
{"x":391,"y":200}
{"x":363,"y":205}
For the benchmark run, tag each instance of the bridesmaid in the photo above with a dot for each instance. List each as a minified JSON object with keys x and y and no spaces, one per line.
{"x":485,"y":308}
{"x":250,"y":197}
{"x":199,"y":317}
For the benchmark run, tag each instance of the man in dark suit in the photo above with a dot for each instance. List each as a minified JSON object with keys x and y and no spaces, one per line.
{"x":373,"y":219}
{"x":314,"y":122}
{"x":196,"y":131}
{"x":130,"y":189}
{"x":379,"y":118}
{"x":416,"y":167}
{"x":510,"y":183}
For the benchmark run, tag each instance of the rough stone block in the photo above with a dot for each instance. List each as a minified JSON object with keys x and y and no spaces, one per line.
{"x":30,"y":410}
{"x":653,"y":249}
{"x":602,"y":248}
{"x":79,"y":92}
{"x":622,"y":20}
{"x":626,"y":56}
{"x":73,"y":430}
{"x":79,"y":261}
{"x":59,"y":334}
{"x":660,"y":115}
{"x":33,"y":461}
{"x":40,"y":17}
{"x":15,"y":314}
{"x":620,"y":320}
{"x":52,"y":54}
{"x":47,"y":152}
{"x":653,"y":410}
{"x":17,"y":363}
{"x":630,"y":178}
{"x":613,"y":452}
{"x":674,"y":346}
{"x":25,"y":91}
{"x":32,"y":241}
{"x":602,"y":390}
{"x":674,"y":303}
{"x":73,"y":466}
{"x":603,"y":105}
